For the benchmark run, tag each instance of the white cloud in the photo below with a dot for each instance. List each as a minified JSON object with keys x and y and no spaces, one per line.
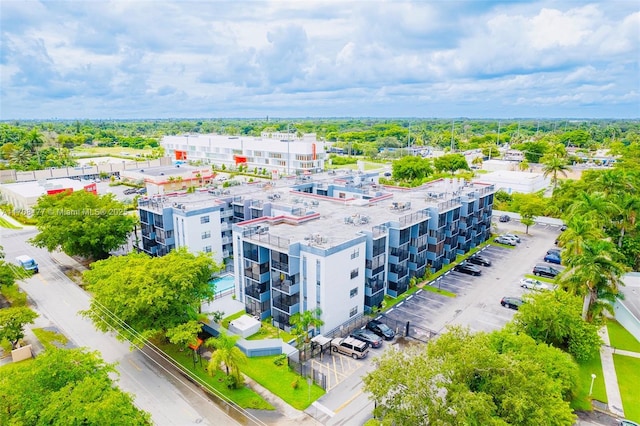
{"x":123,"y":58}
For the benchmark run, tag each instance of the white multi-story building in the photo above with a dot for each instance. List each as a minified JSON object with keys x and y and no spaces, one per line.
{"x":334,"y":242}
{"x":277,"y":153}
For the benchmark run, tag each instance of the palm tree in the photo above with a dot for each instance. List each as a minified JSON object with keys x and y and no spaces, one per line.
{"x":595,"y":207}
{"x":580,"y":231}
{"x":34,"y":141}
{"x":595,"y":275}
{"x":552,"y":165}
{"x":303,"y":323}
{"x":227,"y":353}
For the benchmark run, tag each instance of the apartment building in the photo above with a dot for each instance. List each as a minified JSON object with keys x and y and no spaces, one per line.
{"x":277,"y":153}
{"x":334,"y":242}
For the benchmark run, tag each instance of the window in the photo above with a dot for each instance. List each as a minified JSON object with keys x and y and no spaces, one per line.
{"x":353,"y":311}
{"x":354,"y":273}
{"x":354,"y":292}
{"x":207,"y":249}
{"x":206,"y":234}
{"x":204,"y":219}
{"x":355,"y":253}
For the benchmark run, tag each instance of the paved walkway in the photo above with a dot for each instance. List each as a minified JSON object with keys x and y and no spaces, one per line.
{"x":609,"y":374}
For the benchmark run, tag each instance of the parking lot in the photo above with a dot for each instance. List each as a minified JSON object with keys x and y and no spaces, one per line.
{"x":477,"y":301}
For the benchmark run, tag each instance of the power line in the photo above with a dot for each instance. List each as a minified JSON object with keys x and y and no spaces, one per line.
{"x":140,"y":340}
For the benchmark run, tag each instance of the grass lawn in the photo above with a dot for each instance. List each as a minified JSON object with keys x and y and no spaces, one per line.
{"x":541,"y":279}
{"x":244,"y":397}
{"x":620,"y":338}
{"x":109,"y":151}
{"x":6,"y":224}
{"x":433,"y":289}
{"x":582,"y":400}
{"x":49,"y":338}
{"x":628,"y":372}
{"x":281,"y":381}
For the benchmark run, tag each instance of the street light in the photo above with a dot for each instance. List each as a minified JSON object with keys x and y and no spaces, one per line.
{"x":593,"y":378}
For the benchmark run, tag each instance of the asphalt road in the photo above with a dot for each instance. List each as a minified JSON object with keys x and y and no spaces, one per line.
{"x":157,"y":387}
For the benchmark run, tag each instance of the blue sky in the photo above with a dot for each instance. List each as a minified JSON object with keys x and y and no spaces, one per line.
{"x":441,"y":59}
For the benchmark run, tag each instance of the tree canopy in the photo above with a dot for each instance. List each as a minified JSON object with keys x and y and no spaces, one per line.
{"x":451,"y":163}
{"x":554,"y":317}
{"x":149,"y":294}
{"x":477,"y":379}
{"x":65,"y":387}
{"x":12,"y":322}
{"x":81,"y":223}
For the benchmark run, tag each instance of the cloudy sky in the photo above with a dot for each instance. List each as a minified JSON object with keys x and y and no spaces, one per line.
{"x":172,"y":59}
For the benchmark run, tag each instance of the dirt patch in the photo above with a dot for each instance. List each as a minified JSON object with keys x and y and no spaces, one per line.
{"x":73,"y":274}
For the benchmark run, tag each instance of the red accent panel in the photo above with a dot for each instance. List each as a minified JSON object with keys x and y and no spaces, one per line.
{"x":58,"y":191}
{"x":239,"y":159}
{"x":181,"y":155}
{"x":313,"y":149}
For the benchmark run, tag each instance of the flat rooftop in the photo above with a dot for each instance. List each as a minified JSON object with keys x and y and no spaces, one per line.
{"x":36,"y":188}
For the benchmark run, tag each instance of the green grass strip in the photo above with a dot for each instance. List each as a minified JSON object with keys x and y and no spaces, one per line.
{"x":6,"y":224}
{"x":628,"y":372}
{"x":620,"y":338}
{"x":50,"y":339}
{"x":281,"y":381}
{"x":582,"y":401}
{"x":433,"y":289}
{"x":244,"y":397}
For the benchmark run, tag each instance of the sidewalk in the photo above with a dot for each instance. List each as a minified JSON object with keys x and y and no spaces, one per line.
{"x":609,"y":374}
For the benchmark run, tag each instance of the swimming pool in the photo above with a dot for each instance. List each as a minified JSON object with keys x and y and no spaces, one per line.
{"x":224,"y":283}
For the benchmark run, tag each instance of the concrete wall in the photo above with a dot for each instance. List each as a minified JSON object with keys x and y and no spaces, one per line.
{"x":7,"y":176}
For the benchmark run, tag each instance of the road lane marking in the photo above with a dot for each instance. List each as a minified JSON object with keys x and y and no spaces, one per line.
{"x":136,"y":366}
{"x":348,"y":401}
{"x":324,"y":409}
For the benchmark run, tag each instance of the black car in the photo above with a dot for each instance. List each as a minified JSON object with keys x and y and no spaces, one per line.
{"x":381,"y":329}
{"x":563,"y":228}
{"x":505,"y":218}
{"x":465,"y":268}
{"x":545,"y":271}
{"x":477,"y":259}
{"x":367,"y":336}
{"x":511,"y":302}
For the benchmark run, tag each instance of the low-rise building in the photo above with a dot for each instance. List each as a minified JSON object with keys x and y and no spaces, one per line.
{"x":22,"y":196}
{"x":277,"y":153}
{"x":334,"y":242}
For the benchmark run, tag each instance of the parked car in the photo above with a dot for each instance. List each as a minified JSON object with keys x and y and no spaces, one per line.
{"x":381,"y":329}
{"x":349,"y":346}
{"x":504,"y":240}
{"x":511,"y":302}
{"x":505,"y":218}
{"x":563,"y":228}
{"x":130,"y":191}
{"x":555,"y":251}
{"x":625,"y":422}
{"x":545,"y":271}
{"x":553,"y":258}
{"x":531,"y":284}
{"x":477,"y":259}
{"x":466,"y":268}
{"x":512,"y":236}
{"x":367,"y":336}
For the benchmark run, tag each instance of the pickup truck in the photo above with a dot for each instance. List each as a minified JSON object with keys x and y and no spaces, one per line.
{"x":28,"y":263}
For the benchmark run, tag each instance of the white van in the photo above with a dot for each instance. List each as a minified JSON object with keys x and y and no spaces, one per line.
{"x":350,"y":346}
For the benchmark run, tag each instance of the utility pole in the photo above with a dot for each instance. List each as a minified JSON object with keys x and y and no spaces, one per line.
{"x":498,"y":141}
{"x":452,"y":130}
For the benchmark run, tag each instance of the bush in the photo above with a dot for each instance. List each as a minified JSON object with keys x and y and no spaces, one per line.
{"x":296,"y":383}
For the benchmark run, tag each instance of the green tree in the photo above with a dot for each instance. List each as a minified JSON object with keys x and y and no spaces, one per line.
{"x":553,"y":166}
{"x":306,"y":321}
{"x":529,"y":209}
{"x":228,"y":354}
{"x":81,"y":223}
{"x":411,"y":168}
{"x":594,"y":274}
{"x":149,"y":294}
{"x":554,"y":318}
{"x":65,"y":387}
{"x":475,"y":379}
{"x":12,"y":322}
{"x":185,"y":334}
{"x":451,"y":163}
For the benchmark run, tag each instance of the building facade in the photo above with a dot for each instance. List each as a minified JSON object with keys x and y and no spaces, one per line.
{"x":334,"y":242}
{"x":276,"y":153}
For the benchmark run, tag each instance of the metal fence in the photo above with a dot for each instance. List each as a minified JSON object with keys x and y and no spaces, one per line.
{"x":407,"y":329}
{"x":306,"y":370}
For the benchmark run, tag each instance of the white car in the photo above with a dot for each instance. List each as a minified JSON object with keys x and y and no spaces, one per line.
{"x":531,"y":284}
{"x":512,"y":237}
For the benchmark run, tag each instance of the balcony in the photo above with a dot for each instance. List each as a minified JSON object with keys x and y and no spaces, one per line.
{"x":288,"y":306}
{"x":285,"y":286}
